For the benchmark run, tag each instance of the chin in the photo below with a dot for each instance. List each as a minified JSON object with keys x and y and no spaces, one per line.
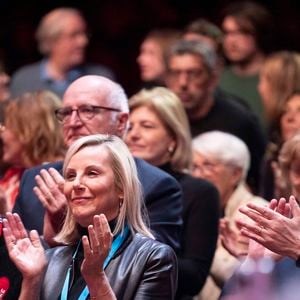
{"x":84,"y":220}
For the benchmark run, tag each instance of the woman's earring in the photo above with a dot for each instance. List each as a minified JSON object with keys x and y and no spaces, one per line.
{"x":121,"y":201}
{"x":171,"y":149}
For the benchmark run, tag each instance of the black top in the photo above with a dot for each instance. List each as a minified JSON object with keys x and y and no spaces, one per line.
{"x":232,"y":117}
{"x":201,"y":210}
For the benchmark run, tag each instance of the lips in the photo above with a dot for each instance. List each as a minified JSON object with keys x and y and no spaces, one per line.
{"x":80,"y":199}
{"x":184,"y":97}
{"x":135,"y":147}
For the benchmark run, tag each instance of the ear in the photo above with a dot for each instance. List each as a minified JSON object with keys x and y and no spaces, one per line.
{"x":122,"y":122}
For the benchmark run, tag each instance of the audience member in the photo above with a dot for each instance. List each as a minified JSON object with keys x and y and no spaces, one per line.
{"x":265,"y":274}
{"x":159,"y":133}
{"x":193,"y":77}
{"x":4,"y":83}
{"x":94,"y":104}
{"x":103,"y":219}
{"x":246,"y":26}
{"x":31,"y":135}
{"x":275,"y":228}
{"x":279,"y":77}
{"x":203,"y":30}
{"x":224,"y":160}
{"x":151,"y":59}
{"x":272,"y":182}
{"x":62,"y":39}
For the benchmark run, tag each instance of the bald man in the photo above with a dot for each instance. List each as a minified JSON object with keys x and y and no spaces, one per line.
{"x":94,"y":104}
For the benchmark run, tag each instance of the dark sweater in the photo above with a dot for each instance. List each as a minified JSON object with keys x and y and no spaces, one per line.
{"x":201,"y":210}
{"x":230,"y":116}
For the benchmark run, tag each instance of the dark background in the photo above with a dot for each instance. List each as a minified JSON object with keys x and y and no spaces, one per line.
{"x":118,"y":27}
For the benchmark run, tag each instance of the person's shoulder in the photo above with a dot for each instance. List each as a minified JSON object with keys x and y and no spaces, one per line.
{"x":147,"y":246}
{"x":229,"y":106}
{"x":27,"y":70}
{"x":146,"y":169}
{"x":35,"y":170}
{"x":97,"y":69}
{"x":223,"y":94}
{"x":198,"y":183}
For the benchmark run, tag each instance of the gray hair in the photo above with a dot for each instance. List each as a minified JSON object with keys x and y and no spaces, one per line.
{"x":126,"y":180}
{"x":199,"y":48}
{"x":51,"y":26}
{"x":117,"y":97}
{"x":225,"y":147}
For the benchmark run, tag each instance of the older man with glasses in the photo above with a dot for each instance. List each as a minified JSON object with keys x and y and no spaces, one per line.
{"x":62,"y":38}
{"x":94,"y":104}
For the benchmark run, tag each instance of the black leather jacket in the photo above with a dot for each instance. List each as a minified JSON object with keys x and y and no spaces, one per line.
{"x":141,"y":269}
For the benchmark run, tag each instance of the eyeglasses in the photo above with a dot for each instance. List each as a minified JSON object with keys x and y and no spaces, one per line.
{"x":205,"y":166}
{"x":84,"y":112}
{"x":191,"y":74}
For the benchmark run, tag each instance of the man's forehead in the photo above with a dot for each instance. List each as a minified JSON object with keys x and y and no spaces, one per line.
{"x":76,"y":98}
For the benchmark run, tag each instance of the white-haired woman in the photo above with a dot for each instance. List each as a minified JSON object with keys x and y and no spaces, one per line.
{"x":109,"y":252}
{"x":224,"y":159}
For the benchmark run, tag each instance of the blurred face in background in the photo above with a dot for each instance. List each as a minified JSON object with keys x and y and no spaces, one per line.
{"x":71,"y":43}
{"x":290,"y":119}
{"x":239,"y":46}
{"x":224,"y":176}
{"x":4,"y":86}
{"x":189,"y":78}
{"x":148,"y":138}
{"x":12,"y":147}
{"x":150,"y":61}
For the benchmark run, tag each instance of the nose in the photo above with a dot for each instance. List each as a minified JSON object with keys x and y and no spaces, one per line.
{"x":290,"y":117}
{"x":197,"y":171}
{"x":78,"y":183}
{"x":133,"y":133}
{"x":74,"y":120}
{"x":183,"y":80}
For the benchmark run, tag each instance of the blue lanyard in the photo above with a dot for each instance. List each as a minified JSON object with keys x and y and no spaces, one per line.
{"x":118,"y":241}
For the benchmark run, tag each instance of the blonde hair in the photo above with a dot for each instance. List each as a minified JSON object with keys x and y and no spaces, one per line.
{"x":282,"y":71}
{"x":289,"y":152}
{"x":126,"y":180}
{"x":31,"y":118}
{"x":52,"y":25}
{"x":170,"y":111}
